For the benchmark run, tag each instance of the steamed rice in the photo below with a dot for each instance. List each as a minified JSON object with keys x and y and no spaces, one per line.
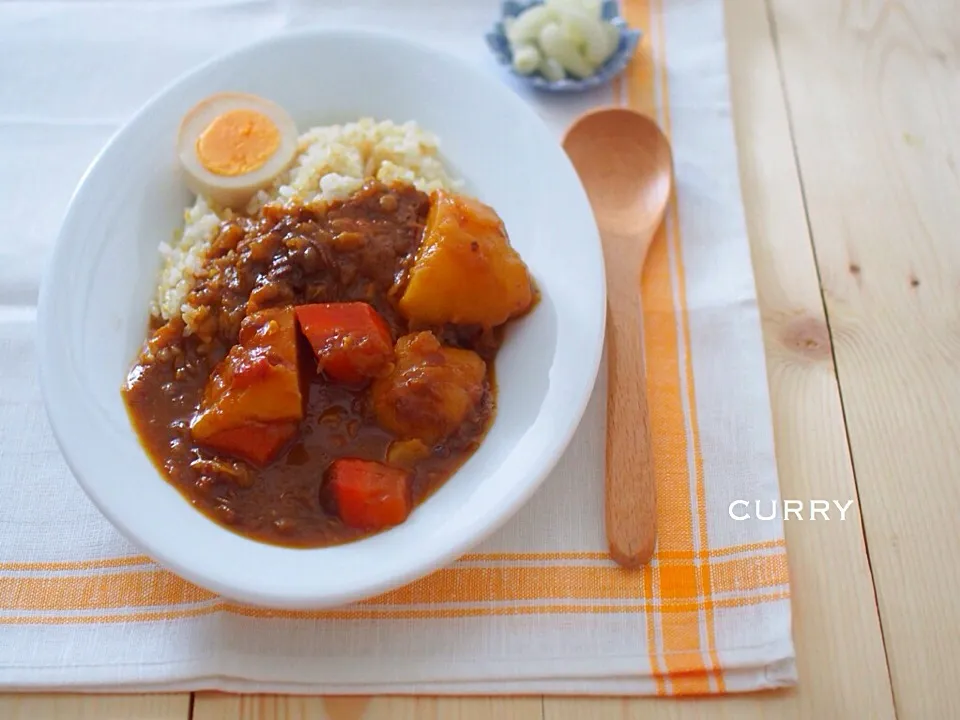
{"x":332,"y":163}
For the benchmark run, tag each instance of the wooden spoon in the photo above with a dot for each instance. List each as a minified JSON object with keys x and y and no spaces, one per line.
{"x":625,"y":164}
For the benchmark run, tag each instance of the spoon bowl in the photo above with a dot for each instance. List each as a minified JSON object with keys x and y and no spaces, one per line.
{"x":626,"y":166}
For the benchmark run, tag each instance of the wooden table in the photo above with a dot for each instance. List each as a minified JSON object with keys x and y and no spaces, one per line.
{"x":848,"y":122}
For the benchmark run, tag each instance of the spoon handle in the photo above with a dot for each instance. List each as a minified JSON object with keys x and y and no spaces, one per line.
{"x":631,"y":506}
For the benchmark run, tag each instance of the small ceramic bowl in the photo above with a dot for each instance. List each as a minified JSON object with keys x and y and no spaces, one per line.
{"x":615,"y":64}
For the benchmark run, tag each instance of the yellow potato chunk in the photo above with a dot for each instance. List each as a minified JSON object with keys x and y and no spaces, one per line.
{"x":466,"y":272}
{"x":431,"y":389}
{"x":253,"y":400}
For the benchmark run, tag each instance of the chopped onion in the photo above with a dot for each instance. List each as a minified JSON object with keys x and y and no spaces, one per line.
{"x":598,"y":49}
{"x":528,"y":24}
{"x":591,"y":33}
{"x":593,"y":8}
{"x":551,"y":69}
{"x":562,"y":48}
{"x":560,"y":38}
{"x":526,"y":58}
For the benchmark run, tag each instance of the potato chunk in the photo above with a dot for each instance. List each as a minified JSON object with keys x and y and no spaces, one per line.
{"x":466,"y":271}
{"x":431,"y":390}
{"x":253,"y":401}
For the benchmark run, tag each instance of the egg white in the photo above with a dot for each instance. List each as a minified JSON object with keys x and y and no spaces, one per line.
{"x":233,"y":191}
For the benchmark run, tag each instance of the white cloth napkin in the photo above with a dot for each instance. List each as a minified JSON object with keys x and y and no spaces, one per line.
{"x":536,"y":609}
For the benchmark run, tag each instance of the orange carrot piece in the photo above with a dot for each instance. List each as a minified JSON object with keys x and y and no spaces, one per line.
{"x":370,"y":495}
{"x":255,"y":442}
{"x":351,"y":341}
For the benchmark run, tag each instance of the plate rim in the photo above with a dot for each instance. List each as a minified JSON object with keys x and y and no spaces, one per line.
{"x":429,"y":559}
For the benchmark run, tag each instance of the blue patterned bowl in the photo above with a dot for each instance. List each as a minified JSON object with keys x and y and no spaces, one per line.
{"x":615,"y":64}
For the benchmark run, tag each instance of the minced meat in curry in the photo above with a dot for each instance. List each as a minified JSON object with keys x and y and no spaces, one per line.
{"x":333,"y":364}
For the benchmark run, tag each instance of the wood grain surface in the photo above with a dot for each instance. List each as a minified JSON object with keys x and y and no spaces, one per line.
{"x":841,"y":666}
{"x":847,"y":114}
{"x":95,"y":707}
{"x":215,"y":706}
{"x":874,"y":92}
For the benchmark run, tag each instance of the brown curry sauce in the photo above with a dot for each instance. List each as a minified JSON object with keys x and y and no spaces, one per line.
{"x":358,"y":249}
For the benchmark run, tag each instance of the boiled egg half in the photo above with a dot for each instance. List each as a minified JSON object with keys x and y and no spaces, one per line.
{"x":233,"y":144}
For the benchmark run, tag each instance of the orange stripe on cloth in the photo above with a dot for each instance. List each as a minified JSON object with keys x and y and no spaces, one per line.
{"x":681,"y":635}
{"x":102,"y":591}
{"x":95,"y":564}
{"x":155,"y":588}
{"x":133,"y":560}
{"x":703,"y":570}
{"x":675,"y":240}
{"x":745,"y":548}
{"x":639,"y":73}
{"x":358,"y":612}
{"x":706,"y":586}
{"x":640,"y":96}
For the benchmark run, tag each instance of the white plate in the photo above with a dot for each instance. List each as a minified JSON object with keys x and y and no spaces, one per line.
{"x":94,"y":305}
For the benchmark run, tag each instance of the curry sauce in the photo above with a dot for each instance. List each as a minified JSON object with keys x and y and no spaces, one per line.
{"x":361,"y":250}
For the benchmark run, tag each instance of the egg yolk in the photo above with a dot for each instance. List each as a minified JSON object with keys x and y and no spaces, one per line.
{"x":237,"y":142}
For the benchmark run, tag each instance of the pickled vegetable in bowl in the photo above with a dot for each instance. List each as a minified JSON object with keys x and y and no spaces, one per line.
{"x":563,"y":45}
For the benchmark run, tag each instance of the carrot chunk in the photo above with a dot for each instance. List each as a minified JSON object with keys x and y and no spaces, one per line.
{"x":351,"y":341}
{"x":370,"y":495}
{"x":256,"y":442}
